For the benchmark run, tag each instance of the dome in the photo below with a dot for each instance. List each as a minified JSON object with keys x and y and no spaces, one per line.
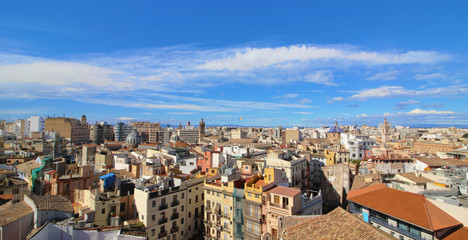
{"x":175,"y":138}
{"x":133,"y":138}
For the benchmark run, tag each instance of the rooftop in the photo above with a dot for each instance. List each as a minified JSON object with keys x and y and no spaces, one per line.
{"x":461,"y":233}
{"x":51,"y":203}
{"x":413,"y":177}
{"x":435,"y":162}
{"x":409,"y":207}
{"x":285,"y":191}
{"x":338,"y":224}
{"x":12,"y":212}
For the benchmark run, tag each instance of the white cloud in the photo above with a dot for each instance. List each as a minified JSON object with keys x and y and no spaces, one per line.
{"x":58,"y":74}
{"x":398,"y":91}
{"x":181,"y":113}
{"x":320,"y":77}
{"x":385,"y":76}
{"x":336,"y":99}
{"x":287,"y":96}
{"x":430,"y":76}
{"x":184,"y":103}
{"x":252,"y":58}
{"x":420,"y":111}
{"x":304,"y":113}
{"x":126,"y":118}
{"x":305,"y":100}
{"x":361,"y":115}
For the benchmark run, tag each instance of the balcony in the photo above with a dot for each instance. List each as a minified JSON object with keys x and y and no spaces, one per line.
{"x":162,"y":220}
{"x":354,"y":209}
{"x":397,"y":229}
{"x":162,"y":234}
{"x":174,"y":203}
{"x":208,"y":210}
{"x":162,"y":207}
{"x":174,"y":216}
{"x":174,"y":229}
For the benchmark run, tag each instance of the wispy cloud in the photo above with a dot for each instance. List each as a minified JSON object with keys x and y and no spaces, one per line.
{"x":320,"y":77}
{"x":194,"y":104}
{"x":430,"y":76}
{"x":398,"y":91}
{"x":432,"y":105}
{"x":252,"y":58}
{"x":414,"y":117}
{"x":418,"y":111}
{"x":385,"y":76}
{"x":126,"y":118}
{"x":403,"y":105}
{"x":287,"y":96}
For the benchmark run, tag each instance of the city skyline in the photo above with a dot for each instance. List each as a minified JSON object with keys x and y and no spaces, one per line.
{"x":249,"y":64}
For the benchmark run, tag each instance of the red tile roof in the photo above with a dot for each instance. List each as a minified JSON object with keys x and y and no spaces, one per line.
{"x":338,"y":224}
{"x":285,"y":191}
{"x":409,"y":207}
{"x":461,"y":233}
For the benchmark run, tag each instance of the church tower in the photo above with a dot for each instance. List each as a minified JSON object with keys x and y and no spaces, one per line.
{"x":201,"y":130}
{"x":385,"y":132}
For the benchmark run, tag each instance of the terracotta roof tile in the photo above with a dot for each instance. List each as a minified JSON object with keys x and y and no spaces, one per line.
{"x":338,"y":224}
{"x":461,"y":233}
{"x":285,"y":191}
{"x":409,"y":207}
{"x":12,"y":212}
{"x":412,"y":176}
{"x":51,"y":203}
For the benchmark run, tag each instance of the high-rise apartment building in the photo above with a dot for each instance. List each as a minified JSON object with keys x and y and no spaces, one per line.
{"x":171,"y":208}
{"x":36,"y":124}
{"x":149,"y":131}
{"x":188,"y":135}
{"x":74,"y":130}
{"x":101,"y":132}
{"x":121,"y":131}
{"x":221,"y":203}
{"x":253,"y":190}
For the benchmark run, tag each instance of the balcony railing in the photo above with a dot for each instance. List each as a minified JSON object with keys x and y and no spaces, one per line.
{"x":162,"y":206}
{"x":174,"y":203}
{"x":174,"y":229}
{"x":354,"y":209}
{"x":174,"y":216}
{"x":162,"y":220}
{"x":162,"y":234}
{"x":208,"y":210}
{"x":397,"y":229}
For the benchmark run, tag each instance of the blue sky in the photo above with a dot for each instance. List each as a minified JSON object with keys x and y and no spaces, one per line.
{"x":289,"y":63}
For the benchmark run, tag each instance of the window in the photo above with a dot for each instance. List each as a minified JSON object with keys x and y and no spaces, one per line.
{"x":153,"y":217}
{"x":277,"y":199}
{"x":182,"y":208}
{"x":154,"y":203}
{"x":103,"y":211}
{"x":15,"y":191}
{"x":122,"y":207}
{"x":153,"y":232}
{"x":189,"y":214}
{"x":196,"y":198}
{"x":183,"y":195}
{"x":190,"y":201}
